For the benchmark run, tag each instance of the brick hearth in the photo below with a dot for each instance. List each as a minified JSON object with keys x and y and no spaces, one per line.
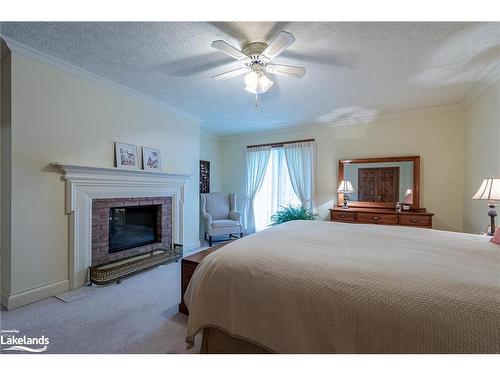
{"x":100,"y":227}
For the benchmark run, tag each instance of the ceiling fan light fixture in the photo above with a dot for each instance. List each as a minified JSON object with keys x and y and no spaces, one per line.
{"x":257,"y":82}
{"x":256,"y":58}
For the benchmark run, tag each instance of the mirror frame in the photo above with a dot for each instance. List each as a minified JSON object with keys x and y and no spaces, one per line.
{"x":391,"y":159}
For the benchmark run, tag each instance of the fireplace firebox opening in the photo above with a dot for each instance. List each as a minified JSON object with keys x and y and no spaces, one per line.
{"x":134,"y":226}
{"x":123,"y":227}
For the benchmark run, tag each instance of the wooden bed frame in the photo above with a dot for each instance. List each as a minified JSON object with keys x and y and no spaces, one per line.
{"x":216,"y":341}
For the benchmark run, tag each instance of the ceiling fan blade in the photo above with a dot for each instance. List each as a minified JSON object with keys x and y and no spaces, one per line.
{"x":286,"y":70}
{"x":280,"y":43}
{"x":231,"y":73}
{"x":229,"y":50}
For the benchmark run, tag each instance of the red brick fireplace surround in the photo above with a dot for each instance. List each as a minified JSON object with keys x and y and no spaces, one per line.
{"x":100,"y":227}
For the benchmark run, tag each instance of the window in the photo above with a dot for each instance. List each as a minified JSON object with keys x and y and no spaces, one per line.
{"x":276,"y":190}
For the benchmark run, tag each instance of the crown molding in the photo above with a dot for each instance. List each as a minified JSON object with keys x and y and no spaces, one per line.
{"x":54,"y":62}
{"x":346,"y":122}
{"x":491,"y":77}
{"x":208,"y":134}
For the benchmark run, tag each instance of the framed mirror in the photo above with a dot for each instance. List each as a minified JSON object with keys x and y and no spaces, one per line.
{"x":380,"y":182}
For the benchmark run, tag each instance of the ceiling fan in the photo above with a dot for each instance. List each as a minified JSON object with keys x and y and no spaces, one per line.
{"x":256,"y":58}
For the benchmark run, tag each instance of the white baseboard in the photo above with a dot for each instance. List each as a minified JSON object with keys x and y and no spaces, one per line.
{"x":191,"y":245}
{"x":28,"y":296}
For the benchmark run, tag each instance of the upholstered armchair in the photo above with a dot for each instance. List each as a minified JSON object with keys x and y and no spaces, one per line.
{"x":220,"y":216}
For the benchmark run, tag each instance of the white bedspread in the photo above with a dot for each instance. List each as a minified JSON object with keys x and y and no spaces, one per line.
{"x":323,"y":287}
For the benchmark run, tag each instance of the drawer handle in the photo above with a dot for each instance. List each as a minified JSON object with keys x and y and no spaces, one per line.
{"x":342,"y":216}
{"x":375,"y":218}
{"x":414,"y":220}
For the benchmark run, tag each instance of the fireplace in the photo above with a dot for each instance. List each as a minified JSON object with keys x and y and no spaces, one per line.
{"x":88,"y":188}
{"x":122,"y":227}
{"x":133,"y":226}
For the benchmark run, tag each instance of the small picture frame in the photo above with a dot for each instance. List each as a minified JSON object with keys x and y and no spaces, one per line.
{"x":151,"y":159}
{"x":126,"y":156}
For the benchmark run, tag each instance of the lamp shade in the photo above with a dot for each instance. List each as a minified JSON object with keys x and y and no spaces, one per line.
{"x":345,"y":187}
{"x":489,"y":190}
{"x":257,"y":82}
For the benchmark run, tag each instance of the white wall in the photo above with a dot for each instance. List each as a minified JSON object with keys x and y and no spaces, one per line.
{"x":60,"y":117}
{"x":210,"y":150}
{"x":482,"y":154}
{"x":437,"y":137}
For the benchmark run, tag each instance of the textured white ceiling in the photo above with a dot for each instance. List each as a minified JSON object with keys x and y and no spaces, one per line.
{"x":353,"y":69}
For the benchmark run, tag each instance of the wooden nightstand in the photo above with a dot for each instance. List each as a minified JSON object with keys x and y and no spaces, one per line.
{"x":188,"y":266}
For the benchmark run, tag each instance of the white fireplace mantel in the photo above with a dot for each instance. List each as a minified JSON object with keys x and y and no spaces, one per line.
{"x":85,"y":183}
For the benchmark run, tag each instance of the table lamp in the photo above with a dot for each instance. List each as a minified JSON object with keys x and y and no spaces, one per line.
{"x":490,"y":191}
{"x":345,"y":188}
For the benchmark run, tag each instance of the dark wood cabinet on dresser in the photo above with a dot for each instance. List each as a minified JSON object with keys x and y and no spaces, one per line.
{"x":418,"y":218}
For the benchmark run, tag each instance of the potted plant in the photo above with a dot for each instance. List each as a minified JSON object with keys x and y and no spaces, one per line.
{"x":290,"y":213}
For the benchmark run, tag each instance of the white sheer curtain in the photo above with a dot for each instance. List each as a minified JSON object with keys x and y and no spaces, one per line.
{"x":276,"y":190}
{"x":257,"y":159}
{"x":300,"y":161}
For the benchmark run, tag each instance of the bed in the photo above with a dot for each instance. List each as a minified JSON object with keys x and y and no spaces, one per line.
{"x":323,"y":287}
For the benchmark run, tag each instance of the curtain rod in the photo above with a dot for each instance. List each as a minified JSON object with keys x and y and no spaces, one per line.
{"x":280,"y":144}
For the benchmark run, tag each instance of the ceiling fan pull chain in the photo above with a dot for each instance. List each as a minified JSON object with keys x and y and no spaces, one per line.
{"x":256,"y":100}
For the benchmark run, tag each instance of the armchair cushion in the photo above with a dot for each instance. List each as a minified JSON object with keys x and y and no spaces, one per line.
{"x":225,"y":223}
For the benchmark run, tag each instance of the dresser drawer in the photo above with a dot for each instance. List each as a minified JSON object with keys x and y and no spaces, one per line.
{"x":374,"y":218}
{"x":343,"y":216}
{"x":415,"y":220}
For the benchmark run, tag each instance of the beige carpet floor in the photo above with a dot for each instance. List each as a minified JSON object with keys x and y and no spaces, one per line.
{"x":137,"y":316}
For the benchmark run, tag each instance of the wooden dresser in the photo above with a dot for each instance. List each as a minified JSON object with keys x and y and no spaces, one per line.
{"x":418,"y":218}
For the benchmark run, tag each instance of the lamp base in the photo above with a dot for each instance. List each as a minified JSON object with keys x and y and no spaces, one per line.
{"x":492,"y":213}
{"x":345,"y":205}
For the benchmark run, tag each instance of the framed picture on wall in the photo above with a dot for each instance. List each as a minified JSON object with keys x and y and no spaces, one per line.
{"x":204,"y":176}
{"x":151,"y":159}
{"x":126,"y":156}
